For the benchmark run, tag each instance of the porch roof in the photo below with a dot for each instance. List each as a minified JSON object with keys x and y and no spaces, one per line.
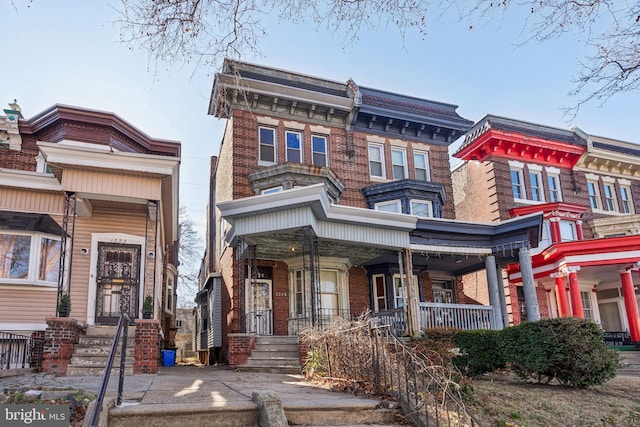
{"x":274,"y":221}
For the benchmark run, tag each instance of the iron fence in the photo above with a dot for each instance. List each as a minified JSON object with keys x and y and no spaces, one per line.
{"x":20,"y":351}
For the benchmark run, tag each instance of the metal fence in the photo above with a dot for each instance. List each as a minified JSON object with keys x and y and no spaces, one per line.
{"x":20,"y":351}
{"x":372,"y":357}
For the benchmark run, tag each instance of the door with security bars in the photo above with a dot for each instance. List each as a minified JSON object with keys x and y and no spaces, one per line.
{"x":118,"y":281}
{"x":258,"y":305}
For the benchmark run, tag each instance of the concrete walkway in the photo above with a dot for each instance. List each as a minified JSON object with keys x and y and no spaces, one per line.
{"x":195,"y":389}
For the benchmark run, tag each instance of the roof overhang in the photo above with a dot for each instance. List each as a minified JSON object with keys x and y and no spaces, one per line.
{"x":29,"y":222}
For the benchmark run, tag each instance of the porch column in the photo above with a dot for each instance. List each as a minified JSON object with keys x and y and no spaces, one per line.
{"x":528,"y":285}
{"x":574,"y":292}
{"x":579,"y":235}
{"x":554,"y":226}
{"x":631,"y":306}
{"x":412,"y":295}
{"x":561,"y":292}
{"x":494,"y":294}
{"x":503,"y":298}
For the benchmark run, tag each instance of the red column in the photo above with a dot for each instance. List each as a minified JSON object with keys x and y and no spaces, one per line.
{"x":579,"y":234}
{"x":561,"y":292}
{"x":631,"y":306}
{"x":554,"y":225}
{"x":574,"y":291}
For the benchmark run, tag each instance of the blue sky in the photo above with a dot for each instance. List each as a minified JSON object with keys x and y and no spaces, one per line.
{"x":68,"y":52}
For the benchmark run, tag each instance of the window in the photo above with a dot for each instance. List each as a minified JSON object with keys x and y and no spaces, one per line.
{"x":554,"y":188}
{"x":594,"y":194}
{"x":517,"y":184}
{"x":391,"y":206}
{"x":537,"y":190}
{"x":399,"y":163}
{"x":298,"y":288}
{"x":379,"y":292}
{"x":26,"y":257}
{"x":267,"y":144}
{"x":376,"y":161}
{"x":294,"y":146}
{"x":169,"y":294}
{"x":398,"y":291}
{"x":422,"y":208}
{"x":421,"y":165}
{"x":329,"y":292}
{"x":319,"y":150}
{"x":567,"y":231}
{"x":625,"y":196}
{"x":609,"y":197}
{"x":271,"y":190}
{"x":586,"y":305}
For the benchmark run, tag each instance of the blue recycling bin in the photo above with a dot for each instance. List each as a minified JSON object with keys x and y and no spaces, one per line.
{"x":168,"y":357}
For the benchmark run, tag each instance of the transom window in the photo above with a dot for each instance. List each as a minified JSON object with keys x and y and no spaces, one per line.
{"x":294,"y":146}
{"x":267,"y":138}
{"x":376,"y":161}
{"x":421,"y":165}
{"x":319,"y":150}
{"x":399,"y":163}
{"x":29,"y":258}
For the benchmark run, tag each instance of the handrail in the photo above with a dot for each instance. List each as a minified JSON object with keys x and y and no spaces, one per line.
{"x":122,"y":323}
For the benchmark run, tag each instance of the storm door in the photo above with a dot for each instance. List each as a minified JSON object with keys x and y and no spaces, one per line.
{"x":118,"y":281}
{"x":258,"y":306}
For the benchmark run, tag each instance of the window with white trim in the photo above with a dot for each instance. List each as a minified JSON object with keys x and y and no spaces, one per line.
{"x":267,"y":139}
{"x":29,"y":257}
{"x":553,"y":181}
{"x":625,"y":197}
{"x":517,"y":184}
{"x":610,"y":202}
{"x":587,"y":308}
{"x":421,"y":165}
{"x":298,"y":297}
{"x":376,"y":160}
{"x":399,"y":293}
{"x":169,"y":298}
{"x":329,"y":292}
{"x":222,"y":235}
{"x":271,"y":190}
{"x":390,"y":206}
{"x":537,"y":188}
{"x":399,"y":163}
{"x":319,"y":150}
{"x":422,"y":208}
{"x":379,"y":292}
{"x":567,"y":231}
{"x":594,"y":194}
{"x":294,"y":146}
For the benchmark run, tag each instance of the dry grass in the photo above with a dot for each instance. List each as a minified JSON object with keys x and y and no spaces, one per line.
{"x":504,"y":400}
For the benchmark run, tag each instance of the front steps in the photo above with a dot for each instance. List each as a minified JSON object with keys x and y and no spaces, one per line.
{"x":92,"y":352}
{"x":629,"y":363}
{"x":274,"y":354}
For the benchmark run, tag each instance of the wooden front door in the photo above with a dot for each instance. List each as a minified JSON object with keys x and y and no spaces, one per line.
{"x":118,"y":281}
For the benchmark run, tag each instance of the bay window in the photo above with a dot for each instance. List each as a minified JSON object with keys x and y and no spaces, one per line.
{"x":28,"y":257}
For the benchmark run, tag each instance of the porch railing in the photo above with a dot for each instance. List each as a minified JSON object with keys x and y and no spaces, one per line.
{"x":439,"y":315}
{"x":18,"y":351}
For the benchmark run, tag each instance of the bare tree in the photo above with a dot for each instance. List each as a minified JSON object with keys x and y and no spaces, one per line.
{"x":207,"y":31}
{"x":190,"y":252}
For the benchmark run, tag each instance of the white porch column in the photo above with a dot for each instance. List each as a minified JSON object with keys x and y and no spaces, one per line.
{"x":494,"y":293}
{"x":503,"y":298}
{"x":528,"y":285}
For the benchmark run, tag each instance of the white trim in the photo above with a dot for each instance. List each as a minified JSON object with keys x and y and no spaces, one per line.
{"x":608,"y":179}
{"x":294,"y":125}
{"x":395,"y":203}
{"x":375,"y":139}
{"x":398,"y":143}
{"x":383,"y":173}
{"x":320,"y":129}
{"x":429,"y":204}
{"x":552,"y":170}
{"x":23,"y":327}
{"x":534,"y":167}
{"x":516,"y":164}
{"x":265,"y":120}
{"x":624,"y":182}
{"x":592,"y":177}
{"x":31,"y":180}
{"x":403,"y":154}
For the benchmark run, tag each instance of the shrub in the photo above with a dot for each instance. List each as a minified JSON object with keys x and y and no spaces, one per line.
{"x":570,"y":350}
{"x":478,"y":352}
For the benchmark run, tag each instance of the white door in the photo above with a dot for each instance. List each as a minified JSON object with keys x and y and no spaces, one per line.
{"x":258,"y":307}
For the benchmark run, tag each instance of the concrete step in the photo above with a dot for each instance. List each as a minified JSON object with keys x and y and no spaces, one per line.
{"x":97,"y":360}
{"x":288,"y":361}
{"x":270,"y":354}
{"x":91,"y":350}
{"x":245,"y":414}
{"x":107,"y":331}
{"x":275,"y":339}
{"x":94,"y":340}
{"x":74,"y":371}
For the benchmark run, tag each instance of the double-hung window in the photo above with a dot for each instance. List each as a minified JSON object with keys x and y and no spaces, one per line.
{"x":421,"y":165}
{"x":625,"y":198}
{"x":610,"y":203}
{"x":554,"y":188}
{"x":267,"y":137}
{"x":517,"y":184}
{"x":376,"y":161}
{"x":594,"y":194}
{"x":294,"y":146}
{"x":29,"y":258}
{"x":537,"y":189}
{"x":399,"y":163}
{"x":319,"y":150}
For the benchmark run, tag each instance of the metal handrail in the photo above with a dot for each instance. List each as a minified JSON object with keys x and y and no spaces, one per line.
{"x":123,"y":323}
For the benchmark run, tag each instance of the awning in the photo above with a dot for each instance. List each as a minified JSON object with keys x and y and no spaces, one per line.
{"x":29,"y":222}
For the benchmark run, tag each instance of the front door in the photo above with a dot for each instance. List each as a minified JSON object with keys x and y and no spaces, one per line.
{"x":258,"y":307}
{"x":118,"y":281}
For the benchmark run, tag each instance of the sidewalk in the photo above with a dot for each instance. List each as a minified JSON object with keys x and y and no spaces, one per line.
{"x":195,"y":387}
